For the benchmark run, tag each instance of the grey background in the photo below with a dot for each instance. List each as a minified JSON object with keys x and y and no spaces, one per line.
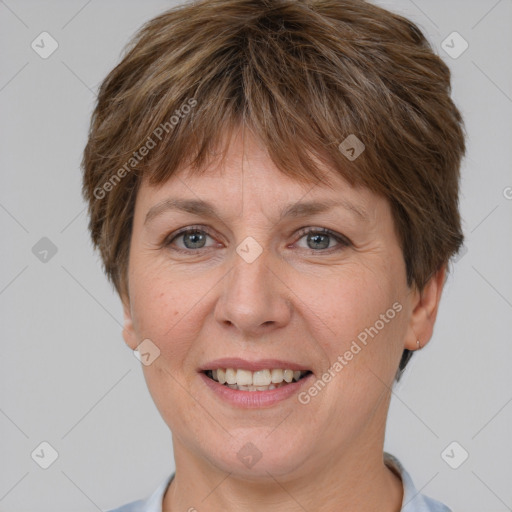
{"x":68,"y":378}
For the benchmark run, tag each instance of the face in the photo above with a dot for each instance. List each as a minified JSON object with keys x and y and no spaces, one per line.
{"x":254,"y":286}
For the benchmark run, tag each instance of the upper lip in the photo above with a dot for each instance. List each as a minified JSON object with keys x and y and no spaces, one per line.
{"x":253,"y":366}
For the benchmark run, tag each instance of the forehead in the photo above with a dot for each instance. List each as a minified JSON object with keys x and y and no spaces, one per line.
{"x":245,"y":176}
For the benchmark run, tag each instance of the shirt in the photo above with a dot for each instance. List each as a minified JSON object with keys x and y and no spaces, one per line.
{"x":412,"y":501}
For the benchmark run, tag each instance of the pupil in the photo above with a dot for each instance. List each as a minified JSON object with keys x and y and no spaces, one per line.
{"x":315,"y":239}
{"x":197,"y":237}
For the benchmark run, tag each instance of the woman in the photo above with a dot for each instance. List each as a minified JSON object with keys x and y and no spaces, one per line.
{"x":273,"y":188}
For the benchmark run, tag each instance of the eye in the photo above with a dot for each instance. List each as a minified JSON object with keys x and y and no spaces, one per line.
{"x":319,"y":239}
{"x":192,"y":238}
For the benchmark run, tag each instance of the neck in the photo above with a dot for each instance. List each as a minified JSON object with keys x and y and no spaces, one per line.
{"x":356,"y":479}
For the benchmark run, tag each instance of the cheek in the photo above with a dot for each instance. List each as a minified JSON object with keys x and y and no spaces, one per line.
{"x":362,"y":349}
{"x":358,"y":315}
{"x":163,"y":310}
{"x":346,"y":302}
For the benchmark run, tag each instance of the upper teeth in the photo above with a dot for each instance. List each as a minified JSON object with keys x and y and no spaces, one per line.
{"x":259,"y":378}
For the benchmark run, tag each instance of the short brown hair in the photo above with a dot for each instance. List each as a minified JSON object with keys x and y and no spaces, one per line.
{"x":301,"y":75}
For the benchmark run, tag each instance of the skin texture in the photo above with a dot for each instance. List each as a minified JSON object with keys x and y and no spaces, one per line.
{"x":297,"y":302}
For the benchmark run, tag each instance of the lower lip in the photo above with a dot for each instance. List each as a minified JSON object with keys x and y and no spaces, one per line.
{"x":254,"y":399}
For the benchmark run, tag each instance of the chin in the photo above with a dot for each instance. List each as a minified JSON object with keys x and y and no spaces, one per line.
{"x":258,"y":454}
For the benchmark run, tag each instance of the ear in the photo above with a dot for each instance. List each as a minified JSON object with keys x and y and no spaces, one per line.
{"x":129,"y":335}
{"x":425,"y":305}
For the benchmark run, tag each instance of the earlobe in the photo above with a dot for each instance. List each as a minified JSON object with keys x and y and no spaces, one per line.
{"x":424,"y":311}
{"x":128,"y":329}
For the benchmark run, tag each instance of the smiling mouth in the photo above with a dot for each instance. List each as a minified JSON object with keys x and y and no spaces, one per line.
{"x":261,"y":380}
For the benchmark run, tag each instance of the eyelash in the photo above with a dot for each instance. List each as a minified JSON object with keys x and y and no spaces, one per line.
{"x":342,"y":241}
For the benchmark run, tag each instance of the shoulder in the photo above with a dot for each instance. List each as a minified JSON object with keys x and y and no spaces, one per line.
{"x":413,"y":501}
{"x":134,"y":506}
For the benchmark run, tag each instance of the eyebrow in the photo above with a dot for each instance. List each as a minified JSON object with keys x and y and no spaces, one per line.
{"x":295,"y":210}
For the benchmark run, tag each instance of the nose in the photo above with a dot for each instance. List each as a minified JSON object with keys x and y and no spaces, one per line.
{"x":254,"y":300}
